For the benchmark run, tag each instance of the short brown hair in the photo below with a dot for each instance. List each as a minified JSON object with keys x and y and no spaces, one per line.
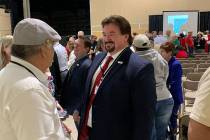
{"x":122,"y":23}
{"x":87,"y":42}
{"x":168,"y":47}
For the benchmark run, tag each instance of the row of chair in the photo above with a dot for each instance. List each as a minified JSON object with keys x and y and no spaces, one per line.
{"x":190,"y":86}
{"x":195,"y":65}
{"x":197,"y":57}
{"x":193,"y":70}
{"x":194,"y":61}
{"x":185,"y":71}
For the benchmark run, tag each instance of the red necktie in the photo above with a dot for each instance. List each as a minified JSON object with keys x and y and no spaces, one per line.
{"x":84,"y":134}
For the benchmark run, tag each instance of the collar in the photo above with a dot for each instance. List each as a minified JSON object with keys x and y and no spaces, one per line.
{"x":172,"y":60}
{"x":116,"y":54}
{"x":39,"y":74}
{"x":82,"y":58}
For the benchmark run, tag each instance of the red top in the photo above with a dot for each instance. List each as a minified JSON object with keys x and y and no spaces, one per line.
{"x":208,"y":37}
{"x":181,"y":54}
{"x":206,"y":45}
{"x":189,"y":41}
{"x":182,"y":42}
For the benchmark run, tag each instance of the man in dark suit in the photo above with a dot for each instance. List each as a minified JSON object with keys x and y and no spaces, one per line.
{"x":120,"y":95}
{"x":74,"y":84}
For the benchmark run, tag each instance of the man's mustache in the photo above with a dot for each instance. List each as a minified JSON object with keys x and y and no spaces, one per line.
{"x":109,"y":42}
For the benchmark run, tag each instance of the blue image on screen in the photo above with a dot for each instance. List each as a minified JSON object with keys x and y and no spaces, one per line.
{"x":177,"y":21}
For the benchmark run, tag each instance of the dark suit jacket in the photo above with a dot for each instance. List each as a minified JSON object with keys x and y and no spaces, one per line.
{"x":74,"y":84}
{"x":55,"y":72}
{"x":124,"y":107}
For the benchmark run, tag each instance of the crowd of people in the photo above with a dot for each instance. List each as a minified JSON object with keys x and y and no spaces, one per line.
{"x":117,"y":87}
{"x":185,"y":44}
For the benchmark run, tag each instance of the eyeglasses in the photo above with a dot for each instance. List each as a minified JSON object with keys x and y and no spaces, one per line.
{"x":110,"y":34}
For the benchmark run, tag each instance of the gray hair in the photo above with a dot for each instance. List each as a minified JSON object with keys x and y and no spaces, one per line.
{"x":25,"y":51}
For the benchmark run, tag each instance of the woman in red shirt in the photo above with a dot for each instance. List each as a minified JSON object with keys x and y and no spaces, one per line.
{"x":189,"y":44}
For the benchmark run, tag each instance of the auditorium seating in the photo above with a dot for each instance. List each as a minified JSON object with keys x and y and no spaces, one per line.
{"x":193,"y":69}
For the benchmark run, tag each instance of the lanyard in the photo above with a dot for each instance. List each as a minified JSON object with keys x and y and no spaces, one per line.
{"x":24,"y":67}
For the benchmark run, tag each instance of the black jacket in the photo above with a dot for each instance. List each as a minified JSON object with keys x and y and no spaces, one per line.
{"x":74,"y":84}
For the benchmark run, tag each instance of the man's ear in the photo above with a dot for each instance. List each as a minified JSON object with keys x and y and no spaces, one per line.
{"x":43,"y":50}
{"x":126,"y":37}
{"x":45,"y":47}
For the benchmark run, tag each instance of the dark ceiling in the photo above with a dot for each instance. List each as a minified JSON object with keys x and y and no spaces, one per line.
{"x":66,"y":16}
{"x":55,"y":5}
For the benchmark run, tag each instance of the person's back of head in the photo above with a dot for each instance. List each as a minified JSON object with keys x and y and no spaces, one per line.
{"x":87,"y":43}
{"x":100,"y":45}
{"x":181,"y":35}
{"x":160,"y":33}
{"x":154,"y":34}
{"x":34,"y":39}
{"x":141,"y":42}
{"x":5,"y":48}
{"x":190,"y":33}
{"x":80,"y":34}
{"x":168,"y":33}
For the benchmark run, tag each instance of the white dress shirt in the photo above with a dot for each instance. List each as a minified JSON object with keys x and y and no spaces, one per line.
{"x":72,"y":58}
{"x":94,"y":78}
{"x":160,"y":39}
{"x":27,"y":109}
{"x":62,"y":56}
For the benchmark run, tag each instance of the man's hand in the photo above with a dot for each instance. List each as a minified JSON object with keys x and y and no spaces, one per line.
{"x":76,"y":116}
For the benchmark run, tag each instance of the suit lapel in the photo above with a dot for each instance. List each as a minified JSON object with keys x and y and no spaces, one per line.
{"x":75,"y":66}
{"x":121,"y":60}
{"x":93,"y":69}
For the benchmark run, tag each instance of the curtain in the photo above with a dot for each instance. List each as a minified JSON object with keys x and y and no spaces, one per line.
{"x":204,"y":21}
{"x":155,"y":23}
{"x":16,"y":12}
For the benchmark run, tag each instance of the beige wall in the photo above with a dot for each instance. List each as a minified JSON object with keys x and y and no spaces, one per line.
{"x":138,"y":11}
{"x":5,"y":24}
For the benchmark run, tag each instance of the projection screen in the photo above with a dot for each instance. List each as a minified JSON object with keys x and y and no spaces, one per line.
{"x":180,"y":21}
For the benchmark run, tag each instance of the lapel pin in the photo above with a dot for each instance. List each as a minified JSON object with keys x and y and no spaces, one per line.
{"x":120,"y":62}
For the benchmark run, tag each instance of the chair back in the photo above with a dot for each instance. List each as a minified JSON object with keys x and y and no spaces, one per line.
{"x":194,"y":76}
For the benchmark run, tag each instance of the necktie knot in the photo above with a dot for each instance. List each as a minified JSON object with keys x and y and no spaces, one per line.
{"x":109,"y":59}
{"x":106,"y":64}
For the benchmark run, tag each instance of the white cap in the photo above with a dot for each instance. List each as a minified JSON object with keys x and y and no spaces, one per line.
{"x":141,"y":41}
